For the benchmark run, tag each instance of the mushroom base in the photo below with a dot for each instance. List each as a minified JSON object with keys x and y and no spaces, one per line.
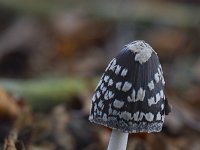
{"x":135,"y":127}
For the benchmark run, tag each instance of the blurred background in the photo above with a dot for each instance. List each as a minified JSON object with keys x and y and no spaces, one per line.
{"x":53,"y":52}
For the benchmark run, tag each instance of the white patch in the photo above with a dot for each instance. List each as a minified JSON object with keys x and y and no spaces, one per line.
{"x":117,"y":69}
{"x":115,"y":113}
{"x":113,"y":65}
{"x":162,"y":106}
{"x":163,"y":118}
{"x":95,"y":107}
{"x":105,"y":117}
{"x":125,"y":115}
{"x":114,"y":61}
{"x":159,"y":72}
{"x":157,"y":97}
{"x":91,"y":117}
{"x":118,"y":104}
{"x":127,"y":86}
{"x":163,"y":81}
{"x":124,"y":72}
{"x":106,"y":78}
{"x":110,"y":83}
{"x":129,"y":99}
{"x":98,"y":94}
{"x":102,"y":76}
{"x":106,"y":95}
{"x":110,"y":94}
{"x":100,"y":104}
{"x":101,"y":87}
{"x":104,"y":89}
{"x":118,"y":85}
{"x":141,"y":116}
{"x":149,"y":116}
{"x":160,"y":68}
{"x":140,"y":95}
{"x":151,"y":85}
{"x":100,"y":112}
{"x":143,"y":51}
{"x":151,"y":101}
{"x":156,"y":77}
{"x":132,"y":98}
{"x":142,"y":57}
{"x":93,"y":98}
{"x":158,"y":116}
{"x":161,"y":94}
{"x":136,"y":115}
{"x":110,"y":64}
{"x":107,"y":68}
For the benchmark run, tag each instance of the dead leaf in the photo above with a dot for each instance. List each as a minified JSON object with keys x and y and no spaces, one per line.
{"x":9,"y":144}
{"x":8,"y":106}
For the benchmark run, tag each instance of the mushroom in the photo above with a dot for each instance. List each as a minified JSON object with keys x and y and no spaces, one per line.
{"x":129,"y":97}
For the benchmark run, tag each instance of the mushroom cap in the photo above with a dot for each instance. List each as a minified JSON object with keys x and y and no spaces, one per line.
{"x":130,"y":96}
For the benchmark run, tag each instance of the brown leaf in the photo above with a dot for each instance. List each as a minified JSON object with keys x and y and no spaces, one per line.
{"x":8,"y":106}
{"x":9,"y":144}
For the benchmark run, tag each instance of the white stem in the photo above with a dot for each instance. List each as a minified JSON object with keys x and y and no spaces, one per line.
{"x":118,"y":140}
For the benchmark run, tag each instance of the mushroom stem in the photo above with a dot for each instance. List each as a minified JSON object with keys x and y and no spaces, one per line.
{"x":118,"y":140}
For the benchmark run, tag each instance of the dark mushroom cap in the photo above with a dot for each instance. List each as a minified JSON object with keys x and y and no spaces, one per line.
{"x":129,"y":96}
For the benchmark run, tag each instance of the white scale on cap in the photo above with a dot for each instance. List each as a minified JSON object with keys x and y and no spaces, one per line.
{"x":143,"y":51}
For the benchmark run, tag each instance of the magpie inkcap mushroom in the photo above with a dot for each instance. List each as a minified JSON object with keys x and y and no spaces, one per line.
{"x":130,"y":94}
